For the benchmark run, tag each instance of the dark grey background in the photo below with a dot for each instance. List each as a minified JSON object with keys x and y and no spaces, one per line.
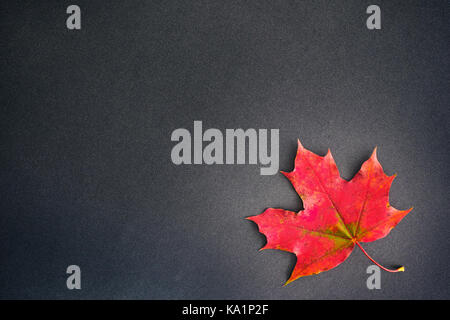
{"x":86,"y":176}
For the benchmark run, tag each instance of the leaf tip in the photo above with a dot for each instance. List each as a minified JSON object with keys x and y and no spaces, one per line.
{"x":286,"y":174}
{"x":329,"y":156}
{"x":291,"y":279}
{"x":401,"y":269}
{"x":250,"y":218}
{"x":374,"y":153}
{"x":287,"y":282}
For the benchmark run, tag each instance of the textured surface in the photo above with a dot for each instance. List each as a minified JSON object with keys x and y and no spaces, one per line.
{"x":86,"y":176}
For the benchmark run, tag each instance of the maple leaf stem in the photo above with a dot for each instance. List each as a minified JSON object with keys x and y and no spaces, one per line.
{"x":401,"y":269}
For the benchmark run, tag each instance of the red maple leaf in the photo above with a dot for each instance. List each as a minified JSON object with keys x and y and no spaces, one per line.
{"x":338,"y":214}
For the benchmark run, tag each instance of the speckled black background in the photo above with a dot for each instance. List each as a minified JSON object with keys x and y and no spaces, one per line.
{"x":86,"y":176}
